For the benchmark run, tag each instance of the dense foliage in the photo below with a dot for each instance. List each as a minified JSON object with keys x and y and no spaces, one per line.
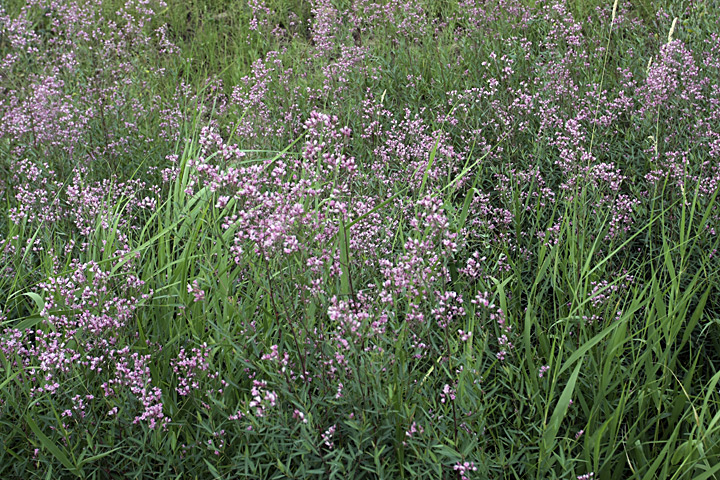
{"x":359,"y":239}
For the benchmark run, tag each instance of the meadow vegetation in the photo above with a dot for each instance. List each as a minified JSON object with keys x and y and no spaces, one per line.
{"x":455,"y":239}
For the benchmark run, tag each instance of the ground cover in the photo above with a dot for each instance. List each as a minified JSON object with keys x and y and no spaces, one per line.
{"x":361,"y":239}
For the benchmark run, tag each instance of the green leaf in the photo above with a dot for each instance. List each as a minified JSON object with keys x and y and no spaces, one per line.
{"x":50,"y":445}
{"x":709,"y":473}
{"x":97,"y":457}
{"x":9,"y":378}
{"x":28,"y":322}
{"x":344,"y":261}
{"x":548,"y":440}
{"x":37,"y":299}
{"x":213,"y":470}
